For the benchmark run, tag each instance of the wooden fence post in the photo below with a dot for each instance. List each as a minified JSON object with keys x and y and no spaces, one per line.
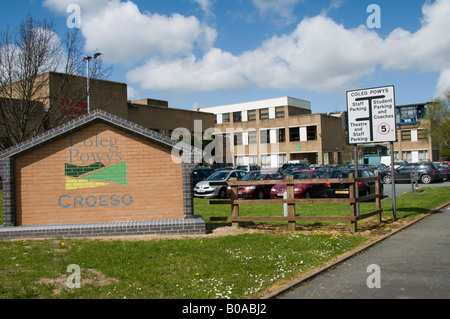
{"x":291,"y":206}
{"x":378,"y":199}
{"x":352,"y":195}
{"x":234,"y":207}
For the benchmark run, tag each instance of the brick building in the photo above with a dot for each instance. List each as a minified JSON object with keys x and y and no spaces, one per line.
{"x":65,"y":93}
{"x":414,"y":143}
{"x":271,"y":132}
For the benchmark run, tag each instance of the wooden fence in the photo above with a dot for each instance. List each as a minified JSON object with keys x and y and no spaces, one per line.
{"x":291,"y":218}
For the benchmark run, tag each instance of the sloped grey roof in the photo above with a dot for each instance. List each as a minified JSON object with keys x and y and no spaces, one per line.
{"x":83,"y":121}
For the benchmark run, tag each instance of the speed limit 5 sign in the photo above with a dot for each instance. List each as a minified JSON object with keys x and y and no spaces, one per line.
{"x":371,"y":115}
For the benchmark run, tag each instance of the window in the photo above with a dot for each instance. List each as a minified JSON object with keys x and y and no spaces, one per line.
{"x":265,"y":160}
{"x":281,"y":135}
{"x":281,"y":159}
{"x":407,"y":156}
{"x":264,"y":136}
{"x":226,"y":118}
{"x":226,"y":139}
{"x":252,"y":138}
{"x":279,"y":111}
{"x":406,"y":135}
{"x":311,"y":133}
{"x":238,"y":140}
{"x":406,"y":114}
{"x":370,"y":151}
{"x":321,"y":174}
{"x":251,"y":115}
{"x":237,"y":117}
{"x":277,"y":176}
{"x":237,"y":175}
{"x":294,"y":134}
{"x":422,"y":135}
{"x":264,"y":114}
{"x":423,"y":156}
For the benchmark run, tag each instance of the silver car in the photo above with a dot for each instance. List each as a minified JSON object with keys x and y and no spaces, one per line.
{"x":205,"y":190}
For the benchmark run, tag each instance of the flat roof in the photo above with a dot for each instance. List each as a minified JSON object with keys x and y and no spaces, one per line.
{"x":260,"y":104}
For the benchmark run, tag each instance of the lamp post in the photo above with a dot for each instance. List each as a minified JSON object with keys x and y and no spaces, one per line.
{"x":87,"y":59}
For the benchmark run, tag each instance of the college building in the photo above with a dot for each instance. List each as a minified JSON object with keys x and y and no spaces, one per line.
{"x":274,"y":131}
{"x":414,"y":143}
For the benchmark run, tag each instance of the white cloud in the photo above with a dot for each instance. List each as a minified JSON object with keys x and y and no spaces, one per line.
{"x":125,"y":35}
{"x":281,"y":10}
{"x":443,"y":84}
{"x":177,"y":53}
{"x":217,"y":70}
{"x":427,"y":49}
{"x":206,"y":6}
{"x":319,"y":55}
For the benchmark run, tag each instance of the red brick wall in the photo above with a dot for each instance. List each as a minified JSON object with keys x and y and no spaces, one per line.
{"x":153,"y":187}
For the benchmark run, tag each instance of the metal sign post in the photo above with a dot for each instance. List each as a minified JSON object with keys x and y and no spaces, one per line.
{"x":394,"y":198}
{"x":356,"y":176}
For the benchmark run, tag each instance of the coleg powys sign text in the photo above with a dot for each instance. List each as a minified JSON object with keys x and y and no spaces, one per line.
{"x":371,"y":115}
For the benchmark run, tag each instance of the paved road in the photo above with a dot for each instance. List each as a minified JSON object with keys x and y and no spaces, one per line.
{"x":413,"y":264}
{"x":404,"y":187}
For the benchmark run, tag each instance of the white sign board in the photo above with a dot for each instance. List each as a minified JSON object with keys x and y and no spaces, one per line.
{"x":371,"y":115}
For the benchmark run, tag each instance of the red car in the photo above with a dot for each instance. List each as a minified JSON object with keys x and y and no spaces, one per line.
{"x":303,"y":190}
{"x":257,"y":191}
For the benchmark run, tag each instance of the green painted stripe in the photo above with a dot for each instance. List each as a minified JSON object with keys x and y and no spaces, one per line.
{"x":77,"y":171}
{"x":116,"y":173}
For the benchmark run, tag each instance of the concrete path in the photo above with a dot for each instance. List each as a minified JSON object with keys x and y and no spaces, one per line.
{"x":412,"y":264}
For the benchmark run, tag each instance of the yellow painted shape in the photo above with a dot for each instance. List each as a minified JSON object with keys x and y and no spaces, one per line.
{"x":77,"y":183}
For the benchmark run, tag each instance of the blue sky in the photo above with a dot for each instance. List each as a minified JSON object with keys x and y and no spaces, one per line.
{"x":201,"y":53}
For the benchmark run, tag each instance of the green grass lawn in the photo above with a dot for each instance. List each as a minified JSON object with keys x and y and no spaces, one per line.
{"x":242,"y":266}
{"x":221,"y":267}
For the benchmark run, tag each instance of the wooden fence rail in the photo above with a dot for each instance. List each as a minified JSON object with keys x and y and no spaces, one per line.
{"x":353,"y":200}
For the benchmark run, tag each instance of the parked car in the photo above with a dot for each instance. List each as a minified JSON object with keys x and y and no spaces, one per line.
{"x":382,"y":169}
{"x":444,"y":169}
{"x":302,"y":190}
{"x":290,"y":169}
{"x":342,"y":189}
{"x":257,"y":191}
{"x":205,"y":190}
{"x":397,"y":164}
{"x":296,"y":164}
{"x":248,"y":168}
{"x":317,"y":166}
{"x":427,"y":173}
{"x":200,"y":174}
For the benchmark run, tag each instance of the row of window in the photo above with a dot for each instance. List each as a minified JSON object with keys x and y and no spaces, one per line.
{"x":268,"y":136}
{"x":415,"y":135}
{"x":267,"y":160}
{"x":251,"y":115}
{"x":413,"y":156}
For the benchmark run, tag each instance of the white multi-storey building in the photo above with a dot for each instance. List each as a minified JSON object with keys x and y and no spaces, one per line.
{"x":274,"y":131}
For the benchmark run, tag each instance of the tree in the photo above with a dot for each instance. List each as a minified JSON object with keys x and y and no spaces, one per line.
{"x":27,"y":106}
{"x":438,"y":113}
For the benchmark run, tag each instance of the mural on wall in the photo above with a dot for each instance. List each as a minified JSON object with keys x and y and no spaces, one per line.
{"x":95,"y":175}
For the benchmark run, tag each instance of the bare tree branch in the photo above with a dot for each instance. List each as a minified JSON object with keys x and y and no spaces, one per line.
{"x":32,"y":101}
